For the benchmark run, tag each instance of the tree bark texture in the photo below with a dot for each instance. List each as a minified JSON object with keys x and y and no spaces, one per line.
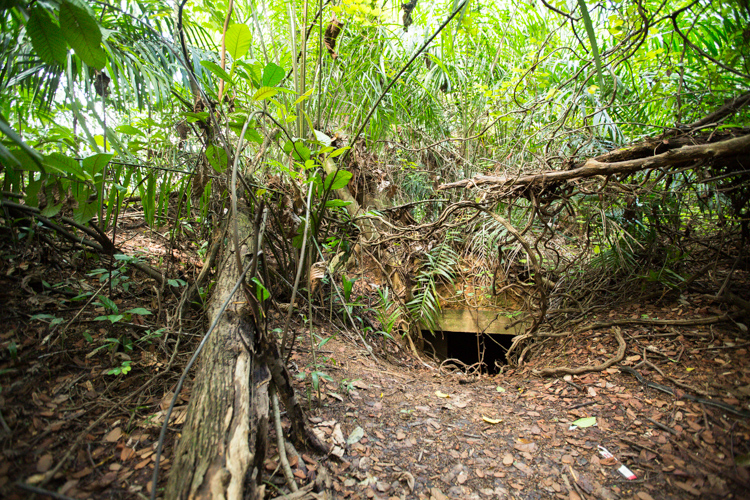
{"x":222,"y":446}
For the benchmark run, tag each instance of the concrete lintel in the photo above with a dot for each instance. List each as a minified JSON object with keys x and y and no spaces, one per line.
{"x":476,"y":321}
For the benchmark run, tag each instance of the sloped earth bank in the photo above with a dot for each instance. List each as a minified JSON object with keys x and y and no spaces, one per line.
{"x":412,"y":431}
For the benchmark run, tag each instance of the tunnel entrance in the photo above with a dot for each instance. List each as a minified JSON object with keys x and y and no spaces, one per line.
{"x":473,"y":336}
{"x":469,"y":348}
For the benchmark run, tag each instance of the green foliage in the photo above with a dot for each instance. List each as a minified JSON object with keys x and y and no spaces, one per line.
{"x":387,"y":313}
{"x":438,"y":266}
{"x":82,"y":32}
{"x":123,"y":369}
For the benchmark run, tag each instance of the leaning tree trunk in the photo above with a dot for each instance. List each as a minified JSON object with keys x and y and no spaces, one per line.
{"x":217,"y":455}
{"x":224,"y":439}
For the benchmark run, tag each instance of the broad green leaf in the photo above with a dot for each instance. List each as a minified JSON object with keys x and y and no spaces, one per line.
{"x":94,"y":164}
{"x":261,"y":292}
{"x":303,"y":97}
{"x":139,"y":310}
{"x":108,"y":303}
{"x":51,"y":210}
{"x":216,"y":70}
{"x":238,"y":40}
{"x":337,"y":180}
{"x":339,"y":152}
{"x":32,"y":192}
{"x":85,"y":212}
{"x":83,"y":34}
{"x":585,"y":422}
{"x":195,"y":117}
{"x":112,"y":318}
{"x":322,"y":138}
{"x":252,"y":135}
{"x":298,"y":150}
{"x":8,"y":157}
{"x":265,"y":93}
{"x":65,"y":165}
{"x":337,"y":203}
{"x":46,"y":37}
{"x":130,"y":130}
{"x":217,"y":157}
{"x":272,"y":75}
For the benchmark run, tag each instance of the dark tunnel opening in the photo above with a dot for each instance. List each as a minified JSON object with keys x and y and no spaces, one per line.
{"x":467,"y":347}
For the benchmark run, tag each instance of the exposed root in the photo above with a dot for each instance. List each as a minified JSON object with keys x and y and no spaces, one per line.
{"x":549,"y":372}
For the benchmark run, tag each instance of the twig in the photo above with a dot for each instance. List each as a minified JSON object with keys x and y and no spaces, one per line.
{"x":283,"y":460}
{"x":573,"y":384}
{"x":663,"y":427}
{"x":42,"y":491}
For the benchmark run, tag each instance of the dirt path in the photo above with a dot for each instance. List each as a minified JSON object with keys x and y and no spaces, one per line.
{"x":427,"y":435}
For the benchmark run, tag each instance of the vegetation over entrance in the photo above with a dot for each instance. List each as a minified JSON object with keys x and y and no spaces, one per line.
{"x":547,"y":159}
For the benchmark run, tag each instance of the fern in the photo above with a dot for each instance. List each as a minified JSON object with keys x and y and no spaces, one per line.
{"x":439,"y":265}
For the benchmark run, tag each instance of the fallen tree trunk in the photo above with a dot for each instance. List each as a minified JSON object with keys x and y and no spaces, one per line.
{"x":593,"y":167}
{"x":224,"y":434}
{"x":224,"y":439}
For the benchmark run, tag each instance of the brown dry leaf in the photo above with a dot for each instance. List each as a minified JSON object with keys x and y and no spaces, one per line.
{"x":436,"y":494}
{"x":82,"y":473}
{"x":507,"y":459}
{"x":644,"y":496}
{"x":105,"y":481}
{"x":523,"y":468}
{"x":687,"y":487}
{"x":480,"y":473}
{"x":462,"y":477}
{"x":409,"y":478}
{"x":335,"y":396}
{"x":359,"y":384}
{"x":140,"y":465}
{"x":528,"y":447}
{"x":45,"y":463}
{"x":126,"y":454}
{"x":114,"y":435}
{"x":400,"y":435}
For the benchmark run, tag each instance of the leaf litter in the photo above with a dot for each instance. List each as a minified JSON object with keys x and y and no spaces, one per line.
{"x":397,"y":428}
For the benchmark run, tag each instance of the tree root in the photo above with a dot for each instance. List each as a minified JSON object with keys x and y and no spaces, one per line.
{"x":549,"y":372}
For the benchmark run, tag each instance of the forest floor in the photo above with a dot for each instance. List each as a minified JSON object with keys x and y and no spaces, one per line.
{"x":84,"y":395}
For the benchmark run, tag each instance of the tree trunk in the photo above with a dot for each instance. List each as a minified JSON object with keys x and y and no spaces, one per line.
{"x":223,"y":439}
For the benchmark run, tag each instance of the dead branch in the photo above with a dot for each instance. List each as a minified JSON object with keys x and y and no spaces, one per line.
{"x":594,"y":167}
{"x":729,"y":108}
{"x":549,"y":372}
